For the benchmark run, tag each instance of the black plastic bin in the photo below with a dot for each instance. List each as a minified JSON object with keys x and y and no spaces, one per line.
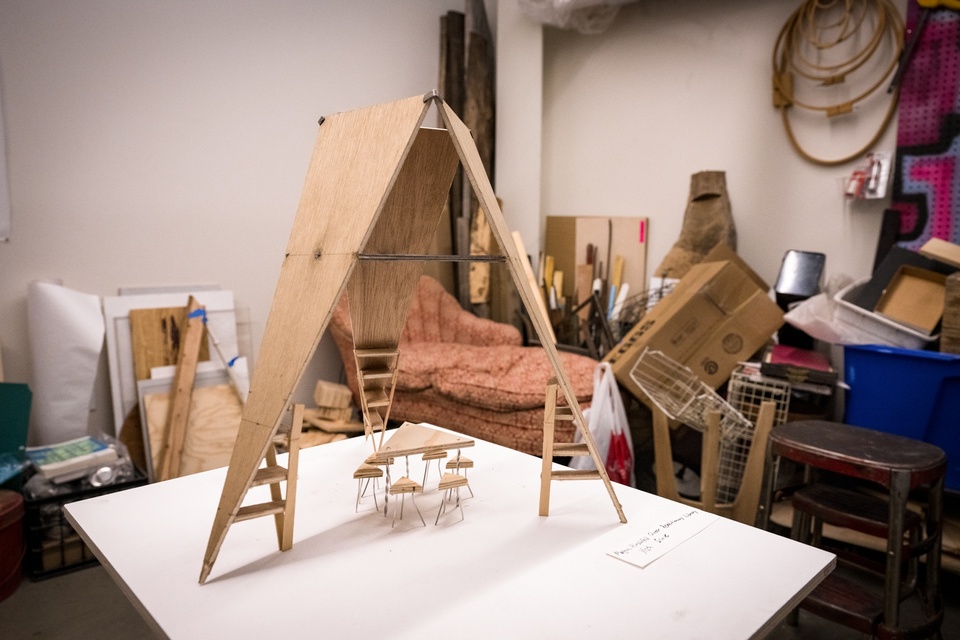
{"x":53,"y":547}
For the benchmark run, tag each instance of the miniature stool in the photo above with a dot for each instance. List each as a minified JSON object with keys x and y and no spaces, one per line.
{"x":459,"y":462}
{"x":428,"y":457}
{"x":367,"y":472}
{"x":896,"y":464}
{"x":449,"y":483}
{"x":402,"y":487}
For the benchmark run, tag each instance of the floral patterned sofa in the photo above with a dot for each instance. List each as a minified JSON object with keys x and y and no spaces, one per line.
{"x":468,"y":374}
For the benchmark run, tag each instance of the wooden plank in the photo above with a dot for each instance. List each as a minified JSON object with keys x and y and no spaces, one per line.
{"x":478,"y":116}
{"x":273,"y":507}
{"x":576,"y":474}
{"x":355,"y":162}
{"x":176,"y":428}
{"x":293,"y":467}
{"x":549,"y":436}
{"x":571,"y":449}
{"x":211,"y":430}
{"x":451,"y":89}
{"x":155,"y":335}
{"x":583,"y":289}
{"x":269,"y":475}
{"x":751,"y":483}
{"x":539,"y":304}
{"x":710,"y":465}
{"x":480,"y":244}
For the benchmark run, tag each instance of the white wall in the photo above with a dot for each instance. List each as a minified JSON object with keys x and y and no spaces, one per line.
{"x":679,"y":86}
{"x":166,"y":142}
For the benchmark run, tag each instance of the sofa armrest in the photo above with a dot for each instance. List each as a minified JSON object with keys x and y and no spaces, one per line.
{"x":471,"y":329}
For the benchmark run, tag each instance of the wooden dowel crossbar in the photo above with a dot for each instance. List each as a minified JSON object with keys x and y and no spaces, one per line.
{"x":397,"y":257}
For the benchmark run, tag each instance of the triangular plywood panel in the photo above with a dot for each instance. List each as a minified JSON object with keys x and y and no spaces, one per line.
{"x":380,"y":290}
{"x":356,"y":159}
{"x":373,"y":196}
{"x":473,"y":168}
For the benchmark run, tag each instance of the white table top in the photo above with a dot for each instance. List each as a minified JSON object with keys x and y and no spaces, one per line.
{"x":504,"y":572}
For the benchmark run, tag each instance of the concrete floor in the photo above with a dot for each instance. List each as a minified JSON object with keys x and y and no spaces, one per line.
{"x":87,"y":604}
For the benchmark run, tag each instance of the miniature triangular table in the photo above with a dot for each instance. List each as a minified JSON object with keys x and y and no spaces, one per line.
{"x":411,"y":439}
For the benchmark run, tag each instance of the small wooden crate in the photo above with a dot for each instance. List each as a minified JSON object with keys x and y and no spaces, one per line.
{"x":331,"y":395}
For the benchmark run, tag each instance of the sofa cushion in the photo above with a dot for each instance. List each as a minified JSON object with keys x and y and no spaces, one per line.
{"x":521,"y":430}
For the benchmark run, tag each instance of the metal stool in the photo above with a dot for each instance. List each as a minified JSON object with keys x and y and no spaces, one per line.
{"x":898,"y":465}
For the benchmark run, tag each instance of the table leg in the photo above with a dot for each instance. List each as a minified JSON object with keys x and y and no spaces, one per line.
{"x":934,"y":527}
{"x":771,"y":471}
{"x":899,"y":491}
{"x":386,"y":489}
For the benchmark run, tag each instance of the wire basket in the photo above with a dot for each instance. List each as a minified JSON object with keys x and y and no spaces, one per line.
{"x":748,"y":389}
{"x":682,"y":396}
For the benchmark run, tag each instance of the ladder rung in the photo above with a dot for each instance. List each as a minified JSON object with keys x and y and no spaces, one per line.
{"x":375,"y":420}
{"x":375,"y":353}
{"x":377,"y":398}
{"x":575,"y":474}
{"x":376,"y":373}
{"x":571,"y":449}
{"x":259,"y":510}
{"x":563,"y":413}
{"x":269,"y":475}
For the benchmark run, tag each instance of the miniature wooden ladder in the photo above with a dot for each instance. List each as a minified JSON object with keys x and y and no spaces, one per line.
{"x":281,"y":507}
{"x":377,"y":379}
{"x":548,"y":474}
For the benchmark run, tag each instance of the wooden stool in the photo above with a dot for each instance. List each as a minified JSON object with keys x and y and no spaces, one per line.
{"x":898,"y":465}
{"x":455,"y":464}
{"x":448,"y":483}
{"x":367,"y":472}
{"x":427,"y":458}
{"x":402,"y":487}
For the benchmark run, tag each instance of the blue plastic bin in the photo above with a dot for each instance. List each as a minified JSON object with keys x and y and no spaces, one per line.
{"x":907,"y":392}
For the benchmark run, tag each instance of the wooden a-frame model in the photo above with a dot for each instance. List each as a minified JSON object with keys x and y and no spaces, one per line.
{"x":374,"y":193}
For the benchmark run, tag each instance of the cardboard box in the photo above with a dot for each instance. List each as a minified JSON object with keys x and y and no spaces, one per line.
{"x":567,"y":237}
{"x":715,"y":318}
{"x":724,"y":252}
{"x":867,"y":296}
{"x":914,"y":297}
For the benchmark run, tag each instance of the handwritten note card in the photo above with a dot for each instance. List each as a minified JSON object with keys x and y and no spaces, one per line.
{"x":653,"y":539}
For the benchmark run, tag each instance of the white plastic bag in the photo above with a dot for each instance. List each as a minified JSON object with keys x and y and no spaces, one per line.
{"x":607,"y":422}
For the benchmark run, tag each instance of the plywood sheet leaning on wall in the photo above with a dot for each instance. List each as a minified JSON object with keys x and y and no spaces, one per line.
{"x":211,"y":430}
{"x":155,"y":335}
{"x":374,"y":192}
{"x":221,"y":320}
